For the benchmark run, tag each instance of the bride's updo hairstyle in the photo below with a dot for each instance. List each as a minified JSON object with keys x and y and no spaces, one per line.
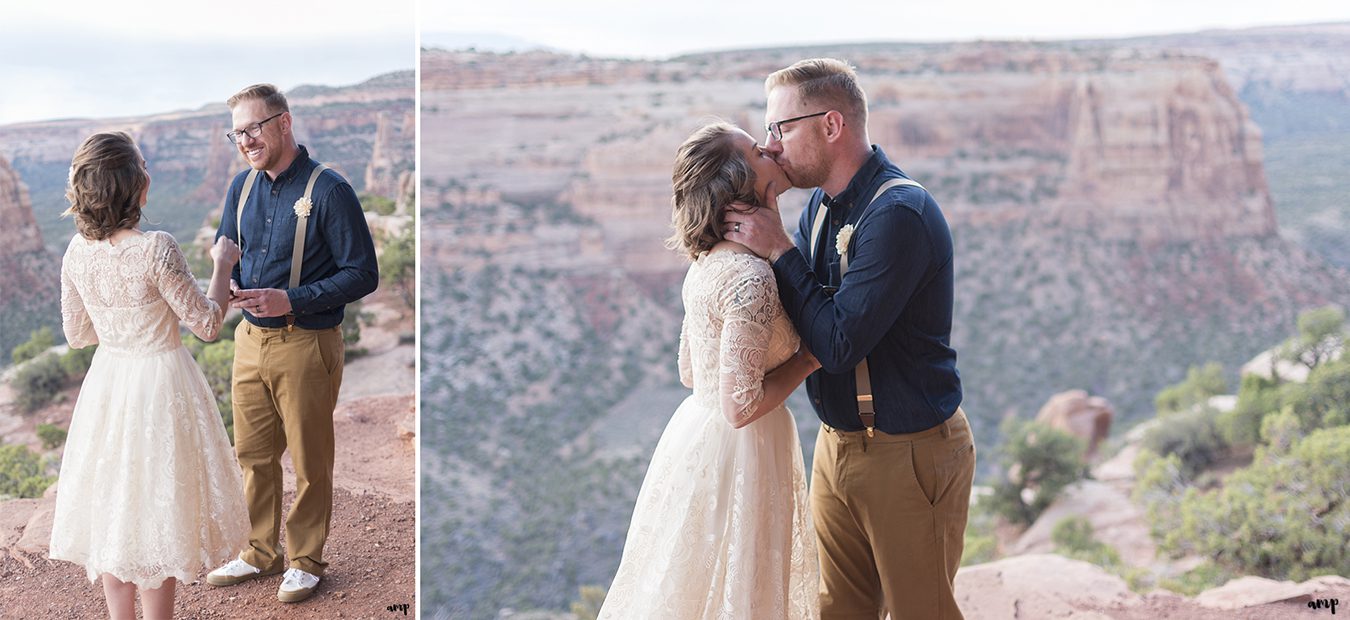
{"x":106,"y":181}
{"x":710,"y":173}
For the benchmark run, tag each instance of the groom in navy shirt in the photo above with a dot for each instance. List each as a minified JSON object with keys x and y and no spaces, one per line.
{"x":889,"y":493}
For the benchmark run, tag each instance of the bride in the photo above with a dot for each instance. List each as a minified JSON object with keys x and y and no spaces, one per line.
{"x":149,"y":491}
{"x":721,"y":528}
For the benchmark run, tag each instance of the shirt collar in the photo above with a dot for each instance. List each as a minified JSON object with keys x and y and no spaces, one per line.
{"x":861,"y":181}
{"x":300,"y":162}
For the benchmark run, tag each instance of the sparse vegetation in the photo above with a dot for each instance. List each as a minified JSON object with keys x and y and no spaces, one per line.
{"x":22,"y":473}
{"x":1040,"y":462}
{"x":38,"y":341}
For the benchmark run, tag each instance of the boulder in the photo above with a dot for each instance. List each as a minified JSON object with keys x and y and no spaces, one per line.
{"x":1074,"y":412}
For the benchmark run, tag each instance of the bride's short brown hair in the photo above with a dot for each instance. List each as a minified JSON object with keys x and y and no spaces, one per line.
{"x":710,"y":173}
{"x":105,"y":185}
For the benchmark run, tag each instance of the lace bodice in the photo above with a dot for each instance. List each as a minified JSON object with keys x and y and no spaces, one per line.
{"x":130,"y":297}
{"x":734,"y":331}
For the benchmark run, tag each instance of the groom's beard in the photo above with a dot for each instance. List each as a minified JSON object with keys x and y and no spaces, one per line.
{"x":808,"y":174}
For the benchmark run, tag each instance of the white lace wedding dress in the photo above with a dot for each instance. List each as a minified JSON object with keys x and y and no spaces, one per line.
{"x":149,"y":486}
{"x":721,"y":529}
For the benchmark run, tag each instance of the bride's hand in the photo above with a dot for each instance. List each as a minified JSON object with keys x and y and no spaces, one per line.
{"x":225,"y":252}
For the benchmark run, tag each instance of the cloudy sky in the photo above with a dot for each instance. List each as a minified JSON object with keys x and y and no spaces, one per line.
{"x":62,"y":59}
{"x":625,"y":28}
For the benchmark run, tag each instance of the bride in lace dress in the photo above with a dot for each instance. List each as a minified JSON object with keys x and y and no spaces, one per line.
{"x":149,"y":491}
{"x":721,"y":528}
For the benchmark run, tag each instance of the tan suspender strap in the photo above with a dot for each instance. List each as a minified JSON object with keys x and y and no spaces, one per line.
{"x":239,"y":209}
{"x":862,"y":377}
{"x":815,"y":231}
{"x":298,"y":249}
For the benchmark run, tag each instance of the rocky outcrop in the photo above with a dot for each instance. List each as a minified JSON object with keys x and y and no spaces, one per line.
{"x":29,"y":274}
{"x":1085,"y":417}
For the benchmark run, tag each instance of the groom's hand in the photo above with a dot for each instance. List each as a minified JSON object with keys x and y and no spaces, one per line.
{"x":760,"y":229}
{"x":262,"y":302}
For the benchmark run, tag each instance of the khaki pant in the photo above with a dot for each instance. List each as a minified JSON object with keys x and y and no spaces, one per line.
{"x":890,"y":515}
{"x":285,"y":388}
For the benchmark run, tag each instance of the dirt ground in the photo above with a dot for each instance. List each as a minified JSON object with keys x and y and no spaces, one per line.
{"x":371,"y":547}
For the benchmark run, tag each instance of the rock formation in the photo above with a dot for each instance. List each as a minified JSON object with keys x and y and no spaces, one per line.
{"x":1085,"y":417}
{"x":29,"y":274}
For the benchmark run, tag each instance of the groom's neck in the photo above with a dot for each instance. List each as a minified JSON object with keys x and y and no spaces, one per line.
{"x":288,"y":155}
{"x":844,"y":166}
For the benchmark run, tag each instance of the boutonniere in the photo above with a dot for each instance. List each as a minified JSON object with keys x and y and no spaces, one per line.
{"x":303,"y":206}
{"x":841,"y":240}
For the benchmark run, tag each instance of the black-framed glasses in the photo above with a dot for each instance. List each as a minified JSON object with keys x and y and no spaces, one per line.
{"x":253,"y":130}
{"x":775,"y":129}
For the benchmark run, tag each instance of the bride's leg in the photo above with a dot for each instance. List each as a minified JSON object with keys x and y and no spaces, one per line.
{"x":120,"y":597}
{"x":158,"y":602}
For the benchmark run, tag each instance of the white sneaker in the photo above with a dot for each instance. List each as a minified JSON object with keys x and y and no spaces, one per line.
{"x":235,"y":571}
{"x":297,"y":586}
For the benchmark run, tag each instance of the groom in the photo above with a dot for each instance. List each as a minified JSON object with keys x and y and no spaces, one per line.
{"x":306,"y":253}
{"x":868,"y":285}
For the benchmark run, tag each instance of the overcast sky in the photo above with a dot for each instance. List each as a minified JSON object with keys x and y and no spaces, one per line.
{"x":63,"y":59}
{"x":643,"y":29}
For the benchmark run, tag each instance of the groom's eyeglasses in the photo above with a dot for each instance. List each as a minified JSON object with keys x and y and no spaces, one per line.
{"x":253,"y":130}
{"x":775,"y":128}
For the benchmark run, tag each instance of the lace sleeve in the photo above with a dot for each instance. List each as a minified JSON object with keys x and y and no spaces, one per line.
{"x":179,"y":289}
{"x":686,"y":365}
{"x":75,"y":321}
{"x":747,"y":308}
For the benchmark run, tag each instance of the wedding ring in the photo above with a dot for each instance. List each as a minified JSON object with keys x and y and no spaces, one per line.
{"x":737,"y":227}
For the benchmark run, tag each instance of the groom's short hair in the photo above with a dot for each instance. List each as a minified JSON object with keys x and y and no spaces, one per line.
{"x":270,"y":96}
{"x":825,"y":81}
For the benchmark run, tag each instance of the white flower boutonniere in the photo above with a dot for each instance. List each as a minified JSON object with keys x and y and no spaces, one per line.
{"x":841,"y":240}
{"x":303,"y":206}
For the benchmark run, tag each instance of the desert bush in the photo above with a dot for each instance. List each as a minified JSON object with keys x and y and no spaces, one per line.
{"x":1321,"y":333}
{"x":1191,"y":435}
{"x":398,"y":264}
{"x":75,"y":362}
{"x":21,"y":472}
{"x":587,"y":607}
{"x":1257,"y":396}
{"x":1040,"y":462}
{"x":51,"y":435}
{"x":38,"y":341}
{"x":38,"y":381}
{"x":1074,"y":537}
{"x":1200,"y":384}
{"x":1284,"y":517}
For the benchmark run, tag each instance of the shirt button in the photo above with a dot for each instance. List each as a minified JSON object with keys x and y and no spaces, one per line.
{"x":269,"y":220}
{"x":817,"y":401}
{"x":264,"y":250}
{"x":255,"y":279}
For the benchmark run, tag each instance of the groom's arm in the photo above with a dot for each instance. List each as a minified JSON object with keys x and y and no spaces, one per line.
{"x":889,"y":260}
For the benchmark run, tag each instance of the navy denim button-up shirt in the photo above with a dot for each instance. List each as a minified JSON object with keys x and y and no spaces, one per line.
{"x":894,"y":306}
{"x":339,"y":265}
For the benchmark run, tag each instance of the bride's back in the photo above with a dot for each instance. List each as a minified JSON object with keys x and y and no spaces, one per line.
{"x":133,"y":293}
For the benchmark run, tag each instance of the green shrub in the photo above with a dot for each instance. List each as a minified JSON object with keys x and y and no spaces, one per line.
{"x":1284,"y":517}
{"x":38,"y":381}
{"x":21,"y":472}
{"x":1074,"y":538}
{"x":1191,"y":435}
{"x":980,"y":543}
{"x":1203,"y":577}
{"x":1324,"y":401}
{"x":375,"y":203}
{"x":1257,"y":396}
{"x":1201,"y":383}
{"x":38,"y":341}
{"x":1159,"y":486}
{"x":398,"y":264}
{"x":587,"y":607}
{"x":75,"y":362}
{"x":1321,"y":332}
{"x":1040,"y":460}
{"x":51,"y":435}
{"x":216,"y":360}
